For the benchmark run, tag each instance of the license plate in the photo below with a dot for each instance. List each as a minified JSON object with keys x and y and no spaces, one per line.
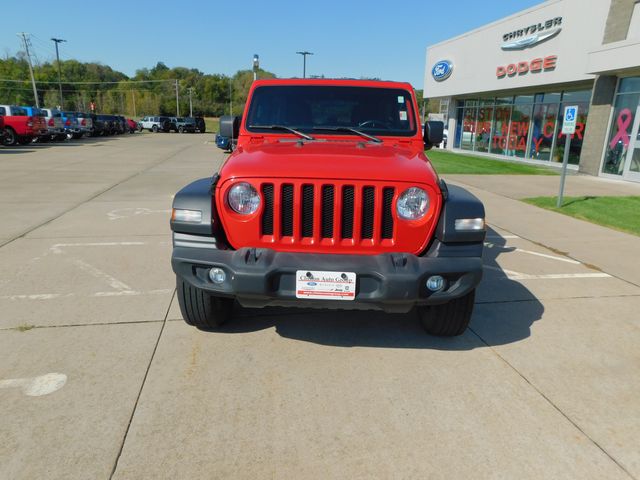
{"x":325,"y":285}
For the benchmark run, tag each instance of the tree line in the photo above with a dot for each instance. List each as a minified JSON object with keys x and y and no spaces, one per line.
{"x":150,"y":91}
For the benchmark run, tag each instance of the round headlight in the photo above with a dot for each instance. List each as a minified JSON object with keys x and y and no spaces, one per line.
{"x":243,"y":198}
{"x":413,"y":204}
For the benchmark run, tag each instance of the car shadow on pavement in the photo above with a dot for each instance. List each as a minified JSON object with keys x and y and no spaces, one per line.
{"x":349,"y":328}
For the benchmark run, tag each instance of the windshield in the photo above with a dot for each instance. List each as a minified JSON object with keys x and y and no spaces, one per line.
{"x":377,"y":111}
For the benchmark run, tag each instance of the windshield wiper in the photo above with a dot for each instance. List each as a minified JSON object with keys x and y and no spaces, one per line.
{"x":284,"y":127}
{"x":352,"y":130}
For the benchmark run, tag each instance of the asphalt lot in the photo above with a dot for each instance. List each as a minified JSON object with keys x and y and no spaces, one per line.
{"x":110,"y":382}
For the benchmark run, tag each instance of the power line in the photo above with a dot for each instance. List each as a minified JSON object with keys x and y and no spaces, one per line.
{"x":172,"y":80}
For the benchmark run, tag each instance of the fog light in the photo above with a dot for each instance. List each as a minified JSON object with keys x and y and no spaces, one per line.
{"x":217,"y":275}
{"x":435,"y":283}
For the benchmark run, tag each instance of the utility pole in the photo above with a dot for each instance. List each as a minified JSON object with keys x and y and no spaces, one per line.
{"x":57,"y":41}
{"x":177,"y":100}
{"x":304,"y":62}
{"x":190,"y":102}
{"x":133,"y":99}
{"x":33,"y":80}
{"x":230,"y":98}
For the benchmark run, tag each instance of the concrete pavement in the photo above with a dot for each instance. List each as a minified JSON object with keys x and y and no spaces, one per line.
{"x":543,"y":384}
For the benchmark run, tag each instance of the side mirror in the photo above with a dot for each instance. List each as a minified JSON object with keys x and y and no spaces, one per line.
{"x":229,"y":126}
{"x":433,"y":134}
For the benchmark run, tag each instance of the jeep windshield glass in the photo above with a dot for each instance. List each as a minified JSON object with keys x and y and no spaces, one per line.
{"x":349,"y":129}
{"x":338,"y":109}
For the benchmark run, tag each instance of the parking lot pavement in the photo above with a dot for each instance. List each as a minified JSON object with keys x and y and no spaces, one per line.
{"x":103,"y":379}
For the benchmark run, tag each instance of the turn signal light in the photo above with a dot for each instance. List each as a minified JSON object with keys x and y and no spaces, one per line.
{"x":188,"y":216}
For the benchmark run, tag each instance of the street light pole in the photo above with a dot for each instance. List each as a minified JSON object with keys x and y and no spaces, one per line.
{"x":57,"y":41}
{"x":256,"y":66}
{"x":190,"y":102}
{"x":304,"y":62}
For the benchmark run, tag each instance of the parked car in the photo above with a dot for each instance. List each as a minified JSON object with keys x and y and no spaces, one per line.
{"x":97,"y":125}
{"x":55,"y":125}
{"x":108,"y":125}
{"x":224,"y":143}
{"x":39,"y":123}
{"x":201,"y":127}
{"x":123,"y":127}
{"x":18,"y":125}
{"x":71,"y":125}
{"x":191,"y":123}
{"x":156,"y":124}
{"x":132,"y":124}
{"x":85,"y":123}
{"x":180,"y":125}
{"x":322,"y":214}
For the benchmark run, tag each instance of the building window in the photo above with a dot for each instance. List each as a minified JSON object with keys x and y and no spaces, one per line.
{"x":624,"y":114}
{"x":524,"y":126}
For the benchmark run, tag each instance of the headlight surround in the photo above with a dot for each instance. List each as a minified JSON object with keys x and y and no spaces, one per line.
{"x":243,"y":198}
{"x":413,"y":204}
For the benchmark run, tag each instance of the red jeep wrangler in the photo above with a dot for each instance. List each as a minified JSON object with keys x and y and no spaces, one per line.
{"x":328,"y":201}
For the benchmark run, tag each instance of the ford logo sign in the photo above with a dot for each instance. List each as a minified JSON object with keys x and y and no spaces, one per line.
{"x":442,"y":70}
{"x":312,"y":284}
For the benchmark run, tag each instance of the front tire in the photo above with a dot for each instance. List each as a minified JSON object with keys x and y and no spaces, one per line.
{"x":201,"y":309}
{"x":449,"y":319}
{"x":154,"y":129}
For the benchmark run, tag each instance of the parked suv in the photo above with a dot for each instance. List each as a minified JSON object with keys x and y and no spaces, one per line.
{"x":71,"y":125}
{"x":181,"y":125}
{"x":155,"y":124}
{"x":328,"y":201}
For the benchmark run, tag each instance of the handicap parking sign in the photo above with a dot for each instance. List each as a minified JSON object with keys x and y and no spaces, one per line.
{"x":569,"y":123}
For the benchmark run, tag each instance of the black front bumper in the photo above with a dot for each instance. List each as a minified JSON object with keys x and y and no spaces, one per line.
{"x":393,"y":282}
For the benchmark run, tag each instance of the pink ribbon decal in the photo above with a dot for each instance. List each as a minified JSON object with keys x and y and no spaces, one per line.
{"x":623,"y":122}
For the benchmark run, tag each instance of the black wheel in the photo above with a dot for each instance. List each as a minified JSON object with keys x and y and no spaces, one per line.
{"x":10,"y":137}
{"x":154,"y":129}
{"x":200,"y":309}
{"x":449,"y":319}
{"x":181,"y":129}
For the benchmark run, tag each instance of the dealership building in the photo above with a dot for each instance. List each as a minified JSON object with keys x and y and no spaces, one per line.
{"x":504,"y":86}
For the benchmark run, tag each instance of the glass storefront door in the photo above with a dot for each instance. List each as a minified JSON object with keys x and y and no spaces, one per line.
{"x":632,"y":163}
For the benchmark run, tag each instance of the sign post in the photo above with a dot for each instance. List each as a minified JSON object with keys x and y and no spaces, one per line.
{"x":568,"y":129}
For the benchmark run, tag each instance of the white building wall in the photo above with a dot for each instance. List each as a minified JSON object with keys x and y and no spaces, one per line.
{"x":477,"y":54}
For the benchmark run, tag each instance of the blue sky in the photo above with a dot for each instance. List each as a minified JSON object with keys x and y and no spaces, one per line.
{"x":349,"y":38}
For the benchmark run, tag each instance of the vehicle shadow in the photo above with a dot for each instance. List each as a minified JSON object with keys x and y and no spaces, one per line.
{"x":491,"y":323}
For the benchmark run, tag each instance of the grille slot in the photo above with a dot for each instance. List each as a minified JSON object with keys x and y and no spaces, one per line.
{"x":368,"y":208}
{"x":327,"y":211}
{"x":307,"y":210}
{"x":346,"y":225}
{"x":387,"y":216}
{"x":287,"y":210}
{"x":267,"y":214}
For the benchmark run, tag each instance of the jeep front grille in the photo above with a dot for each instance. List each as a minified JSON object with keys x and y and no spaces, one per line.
{"x":314,"y":212}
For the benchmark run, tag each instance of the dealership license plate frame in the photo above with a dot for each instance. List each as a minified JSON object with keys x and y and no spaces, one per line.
{"x":325,"y":285}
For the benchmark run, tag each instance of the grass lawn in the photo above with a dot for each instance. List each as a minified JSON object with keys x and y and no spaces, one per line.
{"x":212,"y":124}
{"x":621,"y":213}
{"x":451,"y":163}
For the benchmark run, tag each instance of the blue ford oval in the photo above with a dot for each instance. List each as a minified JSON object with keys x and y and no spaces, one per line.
{"x":442,"y":70}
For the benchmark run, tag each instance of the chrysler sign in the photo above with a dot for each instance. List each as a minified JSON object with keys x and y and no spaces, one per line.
{"x":531,"y":35}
